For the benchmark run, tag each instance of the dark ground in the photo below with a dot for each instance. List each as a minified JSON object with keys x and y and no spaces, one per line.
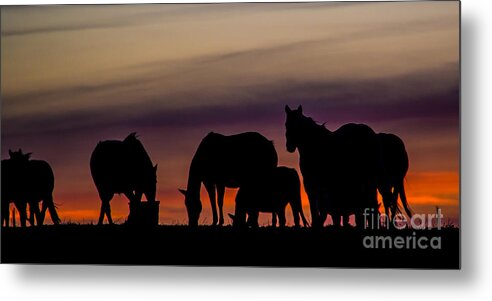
{"x":224,"y":246}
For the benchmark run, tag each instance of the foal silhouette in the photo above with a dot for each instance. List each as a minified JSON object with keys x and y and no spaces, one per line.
{"x":339,"y":168}
{"x":242,"y":160}
{"x":122,"y":167}
{"x":24,"y":182}
{"x":283,"y":188}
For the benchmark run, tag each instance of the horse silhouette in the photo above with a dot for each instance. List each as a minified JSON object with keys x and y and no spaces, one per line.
{"x":122,"y":167}
{"x":13,"y":192}
{"x":394,"y":160}
{"x":24,"y":182}
{"x":283,"y":188}
{"x":221,"y":161}
{"x":339,"y":168}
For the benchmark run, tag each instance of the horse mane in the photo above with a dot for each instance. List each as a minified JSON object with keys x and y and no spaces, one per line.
{"x":132,"y":137}
{"x":310,"y":122}
{"x":132,"y":140}
{"x":19,"y":155}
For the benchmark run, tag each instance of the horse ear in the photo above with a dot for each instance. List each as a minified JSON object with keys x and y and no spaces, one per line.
{"x":299,"y":108}
{"x":287,"y":109}
{"x":10,"y":152}
{"x":182,"y":191}
{"x":155,"y":168}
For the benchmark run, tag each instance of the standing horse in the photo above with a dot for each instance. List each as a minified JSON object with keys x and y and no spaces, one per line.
{"x":339,"y":168}
{"x":394,"y":160}
{"x":242,"y":160}
{"x":26,"y":181}
{"x":122,"y":167}
{"x":13,"y":192}
{"x":284,"y":188}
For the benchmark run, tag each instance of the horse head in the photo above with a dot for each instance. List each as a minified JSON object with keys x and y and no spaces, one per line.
{"x":19,"y":156}
{"x":193,"y":206}
{"x":293,"y":127}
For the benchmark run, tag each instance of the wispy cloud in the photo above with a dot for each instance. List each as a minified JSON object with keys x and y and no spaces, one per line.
{"x":389,"y":98}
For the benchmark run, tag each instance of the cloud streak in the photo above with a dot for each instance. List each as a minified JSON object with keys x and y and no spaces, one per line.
{"x":374,"y":100}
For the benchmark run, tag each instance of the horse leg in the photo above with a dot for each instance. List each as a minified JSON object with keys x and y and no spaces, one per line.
{"x":336,"y":220}
{"x":274,"y":219}
{"x":346,"y":219}
{"x":22,"y":207}
{"x":34,"y":213}
{"x":105,"y":208}
{"x":323,"y":215}
{"x":253,"y":219}
{"x":360,"y":221}
{"x":211,"y":195}
{"x":240,"y":210}
{"x":387,"y":200}
{"x":313,"y":204}
{"x":138,"y":196}
{"x":108,"y":212}
{"x":394,"y":201}
{"x":372,"y":203}
{"x":296,"y":212}
{"x":281,"y":218}
{"x":5,"y":212}
{"x":220,"y":201}
{"x":135,"y":199}
{"x":31,"y":219}
{"x":42,"y":214}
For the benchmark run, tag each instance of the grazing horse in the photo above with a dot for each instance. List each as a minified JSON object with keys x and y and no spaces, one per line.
{"x":122,"y":167}
{"x":242,"y":160}
{"x":339,"y":168}
{"x":394,"y":160}
{"x":26,"y":181}
{"x":284,"y":188}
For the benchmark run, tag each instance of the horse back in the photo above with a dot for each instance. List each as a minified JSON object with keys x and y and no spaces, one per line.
{"x":118,"y":167}
{"x":236,"y":158}
{"x":40,"y":177}
{"x":394,"y":155}
{"x":32,"y":179}
{"x":110,"y":168}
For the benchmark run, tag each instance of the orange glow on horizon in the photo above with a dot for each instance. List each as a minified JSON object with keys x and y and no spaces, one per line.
{"x":425,"y":191}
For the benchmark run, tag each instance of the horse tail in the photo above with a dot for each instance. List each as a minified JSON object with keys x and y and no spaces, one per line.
{"x":52,"y":209}
{"x":400,"y":188}
{"x":304,"y":220}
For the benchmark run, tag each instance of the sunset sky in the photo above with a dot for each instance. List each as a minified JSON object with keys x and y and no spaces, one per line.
{"x":72,"y":76}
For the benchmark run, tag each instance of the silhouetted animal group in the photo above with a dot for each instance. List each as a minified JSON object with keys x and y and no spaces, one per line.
{"x":27,"y":182}
{"x":342,"y":172}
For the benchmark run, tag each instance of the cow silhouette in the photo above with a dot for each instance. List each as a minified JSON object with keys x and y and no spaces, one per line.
{"x":394,"y":159}
{"x":28,"y":182}
{"x":339,"y":168}
{"x":122,"y":167}
{"x":282,"y":189}
{"x":221,"y":161}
